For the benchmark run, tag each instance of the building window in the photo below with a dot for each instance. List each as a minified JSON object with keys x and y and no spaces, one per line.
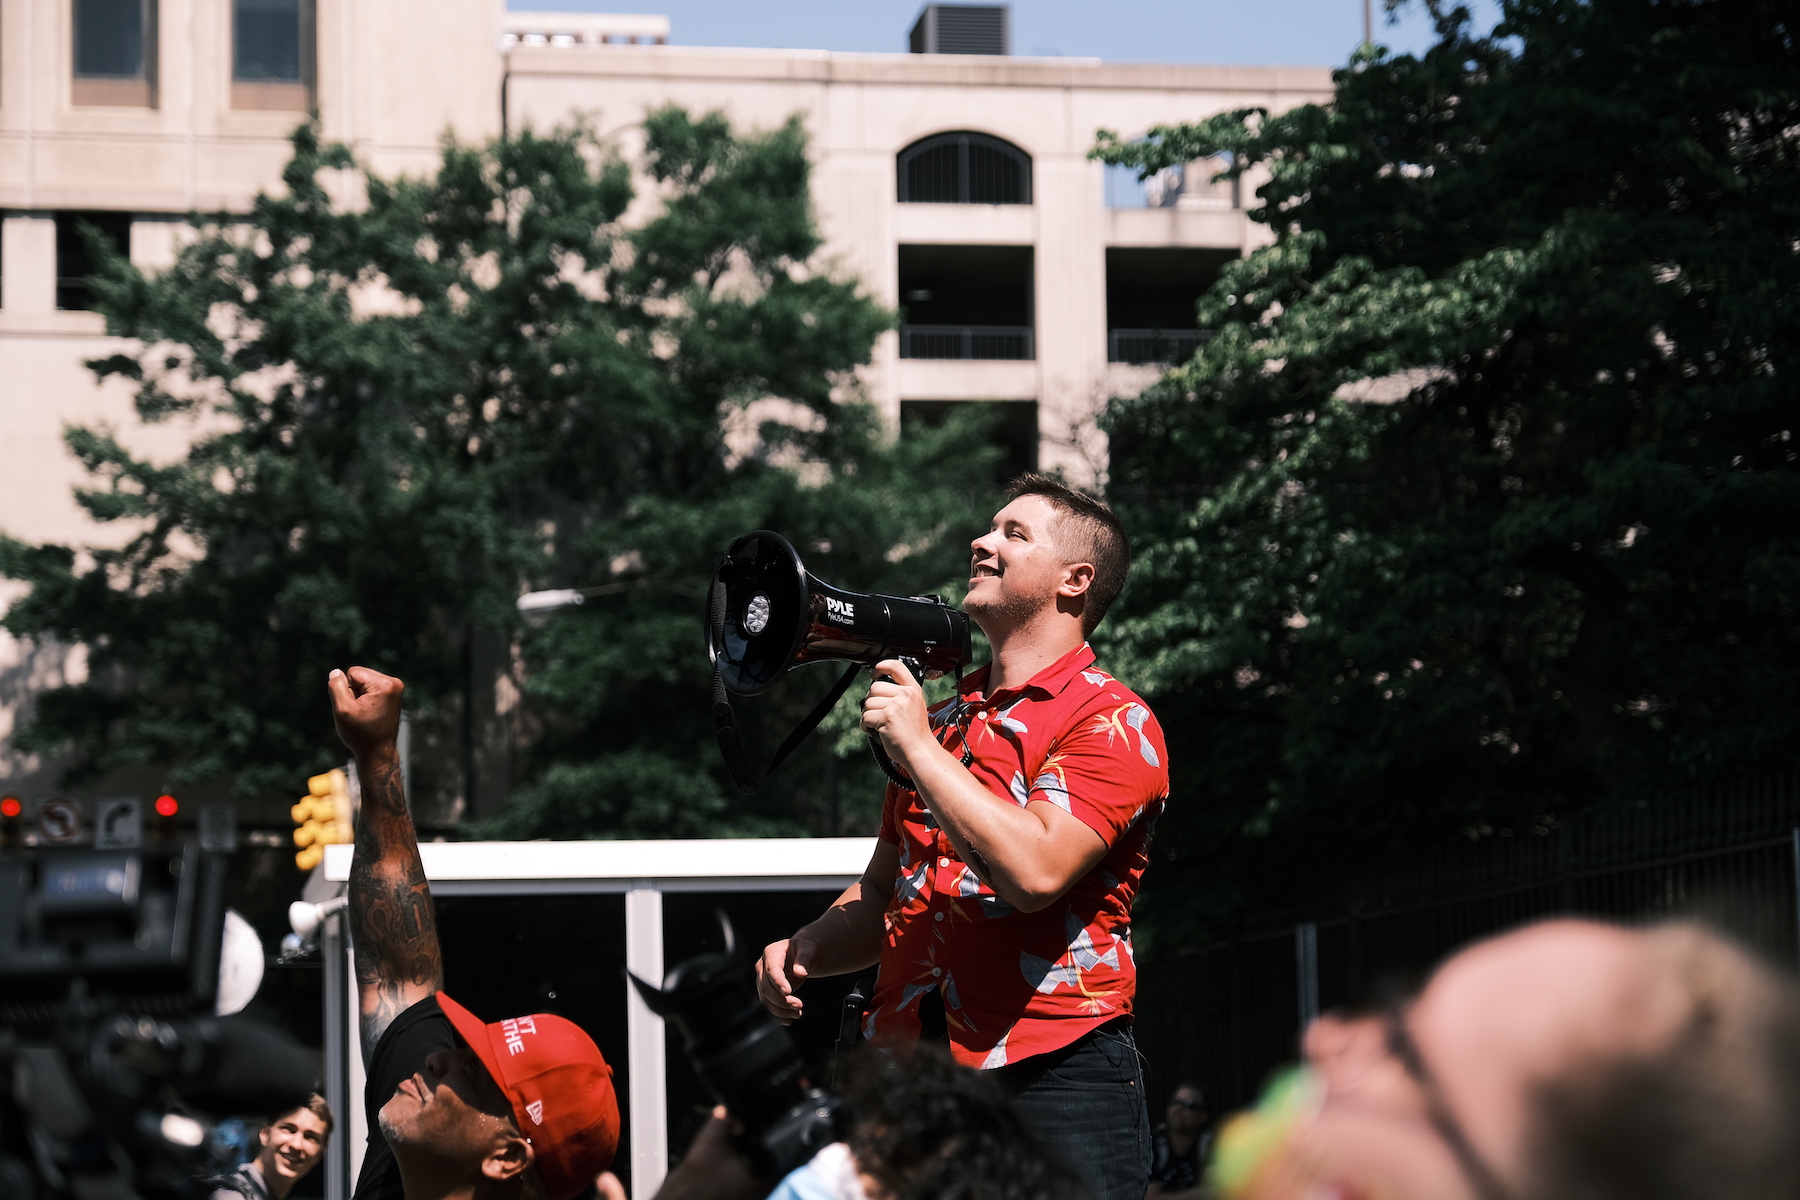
{"x":1151,"y":294}
{"x":1013,"y":429}
{"x":964,"y":168}
{"x":1187,"y":187}
{"x":114,"y":52}
{"x":271,"y":54}
{"x":74,"y":262}
{"x":966,"y":302}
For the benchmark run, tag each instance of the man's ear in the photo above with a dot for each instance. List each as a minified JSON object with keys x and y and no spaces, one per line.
{"x":1077,"y":579}
{"x":509,"y":1158}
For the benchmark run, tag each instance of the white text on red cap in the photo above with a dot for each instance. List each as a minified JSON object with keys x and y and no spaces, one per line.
{"x":514,"y":1029}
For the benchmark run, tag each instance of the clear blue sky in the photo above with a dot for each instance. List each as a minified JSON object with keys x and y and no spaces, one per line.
{"x":1258,"y":32}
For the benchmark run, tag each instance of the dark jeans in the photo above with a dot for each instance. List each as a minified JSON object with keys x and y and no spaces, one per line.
{"x":1085,"y":1104}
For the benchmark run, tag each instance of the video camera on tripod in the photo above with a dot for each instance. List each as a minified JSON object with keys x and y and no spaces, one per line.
{"x":110,"y":1032}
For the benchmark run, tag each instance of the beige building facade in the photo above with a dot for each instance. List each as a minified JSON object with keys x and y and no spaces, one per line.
{"x":957,"y":187}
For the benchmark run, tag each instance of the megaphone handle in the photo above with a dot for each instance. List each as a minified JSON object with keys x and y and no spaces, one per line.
{"x":899,"y":778}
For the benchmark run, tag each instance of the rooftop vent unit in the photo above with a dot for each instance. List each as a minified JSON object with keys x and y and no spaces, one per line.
{"x":962,"y":29}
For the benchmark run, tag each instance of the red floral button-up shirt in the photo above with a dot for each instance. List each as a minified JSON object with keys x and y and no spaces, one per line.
{"x":1018,"y":984}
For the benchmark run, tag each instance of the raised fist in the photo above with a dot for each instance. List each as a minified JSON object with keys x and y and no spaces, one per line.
{"x":365,"y":707}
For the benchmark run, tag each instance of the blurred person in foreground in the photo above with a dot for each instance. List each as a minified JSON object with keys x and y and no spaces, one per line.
{"x":924,"y":1129}
{"x":998,"y":899}
{"x":1567,"y":1060}
{"x":292,"y":1145}
{"x":1180,"y":1145}
{"x":520,"y":1109}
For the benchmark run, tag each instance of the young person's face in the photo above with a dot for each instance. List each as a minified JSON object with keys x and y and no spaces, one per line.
{"x":1016,"y":568}
{"x":292,"y":1145}
{"x":450,"y":1111}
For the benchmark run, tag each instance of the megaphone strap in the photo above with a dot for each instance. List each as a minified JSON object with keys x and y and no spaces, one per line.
{"x":731,"y":745}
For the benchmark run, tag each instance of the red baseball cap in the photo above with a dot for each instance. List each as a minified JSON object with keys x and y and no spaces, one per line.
{"x":559,"y":1087}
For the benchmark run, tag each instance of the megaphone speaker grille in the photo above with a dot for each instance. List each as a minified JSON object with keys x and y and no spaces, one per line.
{"x":754,"y":638}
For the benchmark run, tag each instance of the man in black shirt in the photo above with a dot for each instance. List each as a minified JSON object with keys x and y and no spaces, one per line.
{"x":1180,"y":1146}
{"x":521,"y":1109}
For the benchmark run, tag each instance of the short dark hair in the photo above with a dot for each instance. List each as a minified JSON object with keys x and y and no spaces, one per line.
{"x":316,"y":1105}
{"x":1087,"y":532}
{"x":1711,"y":1114}
{"x":930,"y":1128}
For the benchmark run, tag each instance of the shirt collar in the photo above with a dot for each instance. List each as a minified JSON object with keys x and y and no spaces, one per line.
{"x":1049,"y":682}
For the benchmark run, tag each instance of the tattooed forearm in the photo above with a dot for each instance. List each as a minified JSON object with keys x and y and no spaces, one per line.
{"x":398,"y":961}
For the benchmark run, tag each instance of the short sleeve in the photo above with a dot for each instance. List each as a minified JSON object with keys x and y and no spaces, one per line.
{"x":1107,"y":768}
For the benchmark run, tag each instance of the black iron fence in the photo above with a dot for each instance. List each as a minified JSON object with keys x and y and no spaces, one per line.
{"x":1153,"y":345}
{"x":1229,"y":1014}
{"x":967,"y":341}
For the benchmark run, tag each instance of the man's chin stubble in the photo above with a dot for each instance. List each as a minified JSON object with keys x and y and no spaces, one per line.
{"x":1008,"y":612}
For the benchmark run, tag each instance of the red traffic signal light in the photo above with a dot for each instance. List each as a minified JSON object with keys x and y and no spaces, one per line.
{"x":10,"y":807}
{"x":167,"y":806}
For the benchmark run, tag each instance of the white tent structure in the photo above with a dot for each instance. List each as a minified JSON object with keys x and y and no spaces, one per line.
{"x":643,"y":872}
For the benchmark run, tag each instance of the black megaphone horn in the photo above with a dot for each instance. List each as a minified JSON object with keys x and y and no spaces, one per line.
{"x":766,"y":615}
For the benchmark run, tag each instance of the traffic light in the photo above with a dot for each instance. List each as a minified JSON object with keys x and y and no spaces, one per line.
{"x":10,"y":810}
{"x":322,"y":817}
{"x":165,"y":807}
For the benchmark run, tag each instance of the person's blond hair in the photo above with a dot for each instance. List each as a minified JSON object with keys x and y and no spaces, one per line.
{"x":1711,"y":1114}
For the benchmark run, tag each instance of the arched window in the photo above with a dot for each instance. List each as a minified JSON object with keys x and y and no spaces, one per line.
{"x":964,"y":168}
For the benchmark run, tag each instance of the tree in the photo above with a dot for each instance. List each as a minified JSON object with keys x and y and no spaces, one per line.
{"x":1481,"y":504}
{"x":406,"y":412}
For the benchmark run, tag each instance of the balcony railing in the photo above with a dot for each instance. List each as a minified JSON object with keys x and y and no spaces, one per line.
{"x":1013,"y":342}
{"x":1153,"y":345}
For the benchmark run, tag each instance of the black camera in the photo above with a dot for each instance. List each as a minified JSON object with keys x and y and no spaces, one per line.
{"x":746,"y":1060}
{"x":109,"y":976}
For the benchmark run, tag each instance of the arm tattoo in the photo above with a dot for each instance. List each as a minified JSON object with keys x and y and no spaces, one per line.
{"x":398,"y":960}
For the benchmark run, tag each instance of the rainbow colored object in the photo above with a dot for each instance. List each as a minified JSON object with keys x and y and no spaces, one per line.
{"x":1250,"y":1139}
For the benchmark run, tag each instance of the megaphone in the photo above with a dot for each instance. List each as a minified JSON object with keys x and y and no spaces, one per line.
{"x":767,"y":615}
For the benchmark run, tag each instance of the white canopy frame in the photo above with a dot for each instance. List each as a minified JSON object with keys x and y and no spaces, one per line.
{"x":642,"y":872}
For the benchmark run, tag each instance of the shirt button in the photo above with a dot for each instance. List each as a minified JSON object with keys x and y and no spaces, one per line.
{"x":935,"y":971}
{"x":937,"y":916}
{"x":943,"y":862}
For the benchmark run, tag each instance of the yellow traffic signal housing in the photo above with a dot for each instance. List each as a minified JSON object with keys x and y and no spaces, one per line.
{"x":322,"y":818}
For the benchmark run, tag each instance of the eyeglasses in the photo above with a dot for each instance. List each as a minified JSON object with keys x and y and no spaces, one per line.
{"x":1481,"y":1177}
{"x":1179,"y":1102}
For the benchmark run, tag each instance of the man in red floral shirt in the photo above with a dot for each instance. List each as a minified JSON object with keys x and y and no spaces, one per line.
{"x":998,"y":900}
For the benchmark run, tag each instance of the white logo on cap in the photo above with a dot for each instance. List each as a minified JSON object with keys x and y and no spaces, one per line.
{"x":535,"y":1110}
{"x":514,"y":1029}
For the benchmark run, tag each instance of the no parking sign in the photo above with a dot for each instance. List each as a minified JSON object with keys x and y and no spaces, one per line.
{"x":59,"y":821}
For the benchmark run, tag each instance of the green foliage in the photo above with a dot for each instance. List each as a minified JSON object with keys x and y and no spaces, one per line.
{"x":406,"y":412}
{"x":1481,"y":504}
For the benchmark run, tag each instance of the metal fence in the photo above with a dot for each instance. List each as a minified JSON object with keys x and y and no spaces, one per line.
{"x":967,"y":341}
{"x":1229,"y":1014}
{"x":1153,"y":345}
